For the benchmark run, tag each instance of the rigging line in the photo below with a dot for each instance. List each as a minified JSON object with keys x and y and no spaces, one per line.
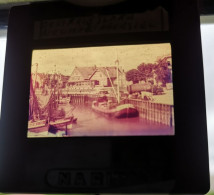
{"x":115,"y":93}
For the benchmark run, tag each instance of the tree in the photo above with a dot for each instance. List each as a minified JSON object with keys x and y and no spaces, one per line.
{"x":133,"y":75}
{"x":162,"y":71}
{"x":146,"y":71}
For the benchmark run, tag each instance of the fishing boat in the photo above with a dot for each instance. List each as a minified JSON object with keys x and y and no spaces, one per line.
{"x":36,"y":120}
{"x":63,"y":121}
{"x":38,"y":126}
{"x":117,"y":110}
{"x":59,"y":122}
{"x":44,"y":113}
{"x":58,"y":119}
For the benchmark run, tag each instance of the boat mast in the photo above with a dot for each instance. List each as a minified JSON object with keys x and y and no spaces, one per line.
{"x":118,"y":90}
{"x":115,"y":93}
{"x":34,"y":99}
{"x":36,"y":75}
{"x":55,"y":98}
{"x":35,"y":112}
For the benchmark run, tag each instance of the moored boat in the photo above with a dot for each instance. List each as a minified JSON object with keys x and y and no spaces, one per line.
{"x":38,"y":126}
{"x":119,"y":111}
{"x":61,"y":122}
{"x":45,"y":115}
{"x":116,"y":110}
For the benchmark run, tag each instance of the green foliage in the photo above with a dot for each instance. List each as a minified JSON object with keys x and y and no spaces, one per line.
{"x":160,"y":71}
{"x":133,"y":75}
{"x":146,"y":71}
{"x":210,"y":192}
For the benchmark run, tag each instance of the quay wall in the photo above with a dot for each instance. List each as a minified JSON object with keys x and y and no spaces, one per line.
{"x":156,"y":112}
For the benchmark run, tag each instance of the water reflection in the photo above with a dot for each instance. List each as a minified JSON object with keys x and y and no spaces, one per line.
{"x":90,"y":123}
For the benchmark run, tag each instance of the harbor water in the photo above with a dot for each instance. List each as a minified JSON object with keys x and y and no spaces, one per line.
{"x":90,"y":123}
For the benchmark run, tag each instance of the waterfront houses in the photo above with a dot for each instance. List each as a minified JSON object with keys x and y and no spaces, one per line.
{"x":104,"y":76}
{"x":82,"y":80}
{"x":94,"y":77}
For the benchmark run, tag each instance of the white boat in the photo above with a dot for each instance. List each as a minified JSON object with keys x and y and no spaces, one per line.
{"x":61,"y":122}
{"x":36,"y":123}
{"x":38,"y":126}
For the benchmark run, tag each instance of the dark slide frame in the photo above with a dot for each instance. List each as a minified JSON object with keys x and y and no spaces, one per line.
{"x":146,"y":164}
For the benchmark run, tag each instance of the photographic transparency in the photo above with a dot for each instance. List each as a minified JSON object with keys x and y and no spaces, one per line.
{"x":121,"y":90}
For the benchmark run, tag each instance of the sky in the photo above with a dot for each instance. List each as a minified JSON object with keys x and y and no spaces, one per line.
{"x":66,"y":59}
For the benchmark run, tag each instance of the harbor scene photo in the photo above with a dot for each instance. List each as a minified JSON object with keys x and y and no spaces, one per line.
{"x":121,"y":90}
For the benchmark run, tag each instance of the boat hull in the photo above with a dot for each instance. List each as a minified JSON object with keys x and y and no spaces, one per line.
{"x":126,"y":113}
{"x":38,"y":128}
{"x":61,"y":122}
{"x":121,"y":111}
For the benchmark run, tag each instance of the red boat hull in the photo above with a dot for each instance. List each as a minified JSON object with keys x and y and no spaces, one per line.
{"x":126,"y":113}
{"x":121,"y":111}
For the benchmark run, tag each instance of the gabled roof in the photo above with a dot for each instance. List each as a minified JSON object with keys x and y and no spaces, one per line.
{"x":112,"y":71}
{"x":86,"y":72}
{"x":65,"y":78}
